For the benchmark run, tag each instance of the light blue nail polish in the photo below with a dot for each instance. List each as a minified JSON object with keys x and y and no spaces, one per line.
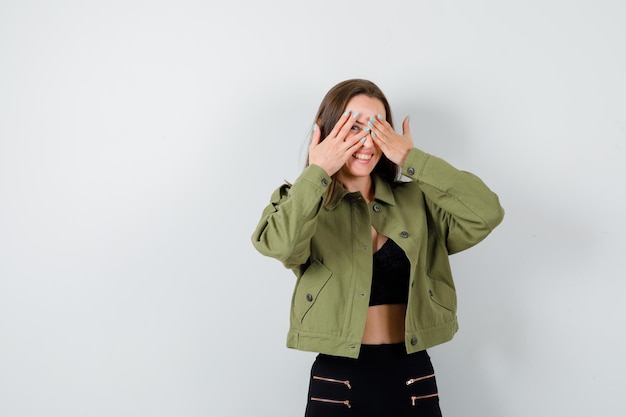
{"x":315,"y":127}
{"x":363,"y":139}
{"x":347,"y":112}
{"x":355,"y":115}
{"x":367,"y":129}
{"x":380,"y":117}
{"x":372,"y":119}
{"x":369,"y":124}
{"x":373,"y":134}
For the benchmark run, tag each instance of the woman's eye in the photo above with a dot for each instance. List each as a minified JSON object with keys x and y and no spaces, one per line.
{"x":355,"y":127}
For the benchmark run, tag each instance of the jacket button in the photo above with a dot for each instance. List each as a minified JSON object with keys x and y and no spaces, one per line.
{"x":414,"y":341}
{"x":404,"y":234}
{"x":377,"y":208}
{"x":411,"y":171}
{"x":324,"y":182}
{"x":309,"y":297}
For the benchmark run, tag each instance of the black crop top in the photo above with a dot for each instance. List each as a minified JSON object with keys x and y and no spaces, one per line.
{"x":390,"y":275}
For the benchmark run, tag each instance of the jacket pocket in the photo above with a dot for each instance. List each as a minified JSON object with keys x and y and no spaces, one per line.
{"x":442,"y":294}
{"x":309,"y":287}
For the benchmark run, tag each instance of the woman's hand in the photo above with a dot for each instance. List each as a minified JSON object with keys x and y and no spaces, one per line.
{"x":396,"y":147}
{"x":332,"y":153}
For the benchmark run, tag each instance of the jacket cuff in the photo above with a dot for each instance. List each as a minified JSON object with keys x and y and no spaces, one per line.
{"x":414,"y":163}
{"x":316,"y":176}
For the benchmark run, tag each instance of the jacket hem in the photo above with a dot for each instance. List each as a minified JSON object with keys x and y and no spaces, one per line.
{"x":415,"y":341}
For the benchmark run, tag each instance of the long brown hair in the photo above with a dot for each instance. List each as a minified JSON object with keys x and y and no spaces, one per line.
{"x":334,"y":104}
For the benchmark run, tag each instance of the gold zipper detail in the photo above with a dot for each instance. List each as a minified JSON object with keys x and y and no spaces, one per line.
{"x":324,"y":400}
{"x":338,"y":381}
{"x":413,"y":380}
{"x":422,"y":397}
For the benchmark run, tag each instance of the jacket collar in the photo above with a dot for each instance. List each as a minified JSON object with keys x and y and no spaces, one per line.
{"x":382,"y":193}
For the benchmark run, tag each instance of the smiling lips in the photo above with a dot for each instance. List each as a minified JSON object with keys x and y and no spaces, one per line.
{"x":362,"y":157}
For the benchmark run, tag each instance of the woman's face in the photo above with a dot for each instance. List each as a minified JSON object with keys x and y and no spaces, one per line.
{"x":363,"y":161}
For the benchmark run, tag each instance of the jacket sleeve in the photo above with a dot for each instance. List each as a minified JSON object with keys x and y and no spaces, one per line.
{"x":463,"y":208}
{"x":289,"y":221}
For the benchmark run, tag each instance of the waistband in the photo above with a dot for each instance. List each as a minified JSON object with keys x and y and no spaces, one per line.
{"x":377,"y":354}
{"x":382,"y":352}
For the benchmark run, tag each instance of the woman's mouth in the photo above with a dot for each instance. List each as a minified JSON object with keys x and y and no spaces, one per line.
{"x":362,"y":157}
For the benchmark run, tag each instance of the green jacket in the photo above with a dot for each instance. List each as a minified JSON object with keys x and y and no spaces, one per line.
{"x":440,"y":211}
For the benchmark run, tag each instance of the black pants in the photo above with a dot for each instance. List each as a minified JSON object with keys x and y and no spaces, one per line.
{"x":384,"y":381}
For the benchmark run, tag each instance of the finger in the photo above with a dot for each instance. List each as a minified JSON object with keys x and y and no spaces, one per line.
{"x":379,"y":142}
{"x":383,"y":141}
{"x":375,"y":124}
{"x":340,"y":123}
{"x":378,"y":119}
{"x":315,"y":136}
{"x":406,"y":128}
{"x":377,"y":129}
{"x":355,"y":143}
{"x":345,"y":129}
{"x":380,"y":124}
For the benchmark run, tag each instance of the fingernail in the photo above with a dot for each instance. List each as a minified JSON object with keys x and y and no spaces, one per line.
{"x":363,"y":139}
{"x":369,"y":124}
{"x":380,"y":117}
{"x":367,"y":129}
{"x":346,"y":113}
{"x":315,"y":127}
{"x":373,"y":134}
{"x":355,"y":115}
{"x":372,"y":119}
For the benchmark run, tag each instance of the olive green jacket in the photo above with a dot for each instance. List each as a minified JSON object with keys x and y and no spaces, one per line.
{"x":328,"y":245}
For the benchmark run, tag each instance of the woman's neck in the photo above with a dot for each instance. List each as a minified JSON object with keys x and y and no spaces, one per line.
{"x":365,"y":185}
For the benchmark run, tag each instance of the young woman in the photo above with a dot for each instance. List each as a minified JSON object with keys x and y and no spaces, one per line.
{"x":370,"y":252}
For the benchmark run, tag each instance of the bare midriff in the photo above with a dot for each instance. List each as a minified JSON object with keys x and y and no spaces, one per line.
{"x":384,"y":324}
